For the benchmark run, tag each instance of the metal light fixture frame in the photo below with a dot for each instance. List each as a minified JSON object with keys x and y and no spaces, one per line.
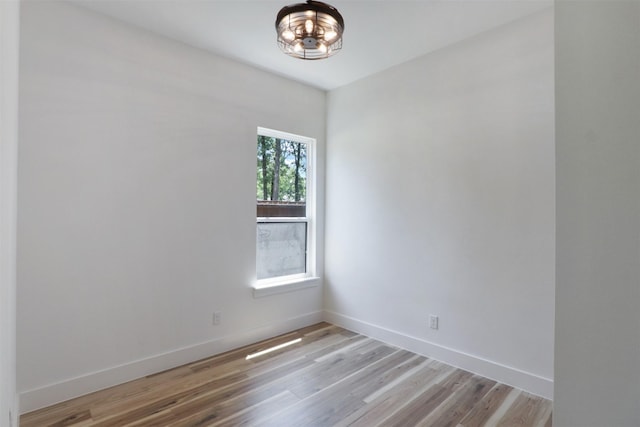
{"x":311,"y":30}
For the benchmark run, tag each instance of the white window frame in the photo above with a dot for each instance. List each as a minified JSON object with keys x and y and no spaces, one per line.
{"x":281,"y":284}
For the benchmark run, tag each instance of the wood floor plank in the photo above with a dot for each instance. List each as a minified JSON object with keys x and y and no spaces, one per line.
{"x":307,"y":341}
{"x":332,"y":370}
{"x":241,"y":353}
{"x":73,"y":419}
{"x":342,"y":345}
{"x":454,"y":409}
{"x":309,"y":334}
{"x":387,"y":403}
{"x":428,"y":401}
{"x":332,"y":343}
{"x":527,"y":410}
{"x":182,"y":404}
{"x":419,"y":407}
{"x":271,"y":369}
{"x":336,"y":402}
{"x":379,"y":375}
{"x":332,"y":377}
{"x":251,"y":415}
{"x":480,"y":413}
{"x":205,"y":371}
{"x":117,"y":393}
{"x":183,"y":388}
{"x":503,"y":407}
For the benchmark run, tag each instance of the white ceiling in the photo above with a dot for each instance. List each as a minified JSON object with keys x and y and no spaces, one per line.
{"x":378,"y":34}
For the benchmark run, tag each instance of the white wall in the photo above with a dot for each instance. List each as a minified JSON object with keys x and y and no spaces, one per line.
{"x":440,"y":200}
{"x":136,"y":202}
{"x":9,"y":35}
{"x":597,"y":356}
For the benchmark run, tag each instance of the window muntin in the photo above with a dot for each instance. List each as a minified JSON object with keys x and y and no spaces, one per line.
{"x":284,"y":206}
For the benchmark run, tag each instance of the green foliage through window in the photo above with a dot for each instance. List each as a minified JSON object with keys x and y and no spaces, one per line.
{"x":281,"y":170}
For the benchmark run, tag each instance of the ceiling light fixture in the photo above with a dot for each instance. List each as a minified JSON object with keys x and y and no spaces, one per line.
{"x":311,"y":30}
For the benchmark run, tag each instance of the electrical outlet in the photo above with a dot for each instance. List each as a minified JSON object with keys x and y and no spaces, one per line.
{"x":433,"y":321}
{"x":217,"y":317}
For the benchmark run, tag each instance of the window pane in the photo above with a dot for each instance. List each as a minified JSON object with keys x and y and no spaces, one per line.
{"x":281,"y":177}
{"x":281,"y":249}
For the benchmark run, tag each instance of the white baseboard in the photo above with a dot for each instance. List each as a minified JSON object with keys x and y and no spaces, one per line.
{"x":517,"y":378}
{"x":41,"y":397}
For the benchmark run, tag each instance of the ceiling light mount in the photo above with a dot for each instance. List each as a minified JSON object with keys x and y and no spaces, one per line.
{"x":311,"y":30}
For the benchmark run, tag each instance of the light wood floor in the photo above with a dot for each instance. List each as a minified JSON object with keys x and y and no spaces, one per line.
{"x":333,"y":377}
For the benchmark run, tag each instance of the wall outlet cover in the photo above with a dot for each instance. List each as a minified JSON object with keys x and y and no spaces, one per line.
{"x":433,"y":322}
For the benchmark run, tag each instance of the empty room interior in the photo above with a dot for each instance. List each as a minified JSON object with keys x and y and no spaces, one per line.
{"x":440,"y":221}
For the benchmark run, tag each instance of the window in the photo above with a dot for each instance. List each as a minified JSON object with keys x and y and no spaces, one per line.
{"x":284,"y":208}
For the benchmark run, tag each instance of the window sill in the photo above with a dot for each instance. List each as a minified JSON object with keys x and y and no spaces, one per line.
{"x":283,"y":287}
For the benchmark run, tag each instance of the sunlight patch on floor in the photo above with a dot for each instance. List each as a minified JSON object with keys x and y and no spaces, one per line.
{"x":274,"y":348}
